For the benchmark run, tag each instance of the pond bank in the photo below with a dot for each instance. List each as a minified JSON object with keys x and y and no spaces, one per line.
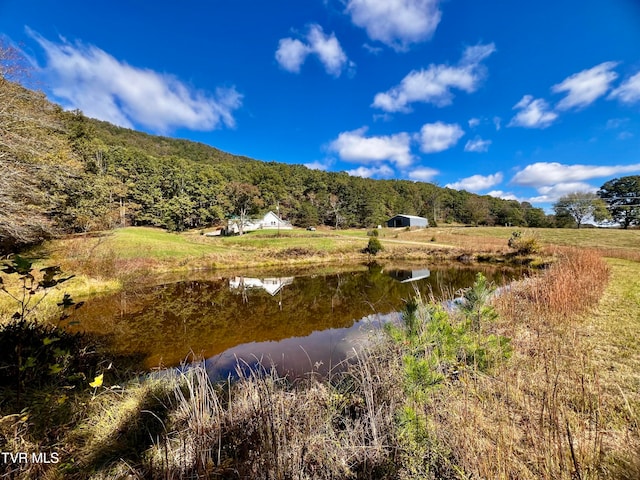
{"x":119,"y":258}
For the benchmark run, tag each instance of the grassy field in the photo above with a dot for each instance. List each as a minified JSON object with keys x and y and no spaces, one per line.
{"x":610,"y":242}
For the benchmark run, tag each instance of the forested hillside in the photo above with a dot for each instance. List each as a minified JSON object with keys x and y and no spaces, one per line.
{"x":63,"y":172}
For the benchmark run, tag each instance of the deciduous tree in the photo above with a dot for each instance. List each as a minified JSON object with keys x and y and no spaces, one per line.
{"x":245,"y":199}
{"x":581,"y":206}
{"x":622,"y":197}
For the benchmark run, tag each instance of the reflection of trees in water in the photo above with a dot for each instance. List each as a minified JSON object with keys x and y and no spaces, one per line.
{"x":207,"y":317}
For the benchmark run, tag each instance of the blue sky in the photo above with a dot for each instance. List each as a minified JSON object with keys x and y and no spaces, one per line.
{"x":524,"y":100}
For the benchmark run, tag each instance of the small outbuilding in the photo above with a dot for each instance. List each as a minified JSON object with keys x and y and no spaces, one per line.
{"x":407,"y":221}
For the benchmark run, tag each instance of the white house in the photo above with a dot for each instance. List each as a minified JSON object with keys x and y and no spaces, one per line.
{"x":270,"y":220}
{"x":272,"y":284}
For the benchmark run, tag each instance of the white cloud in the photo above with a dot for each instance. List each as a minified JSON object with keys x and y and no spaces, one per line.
{"x":474,"y":122}
{"x":628,"y":91}
{"x":328,"y":50}
{"x":434,"y":84}
{"x":503,"y":195}
{"x":475,"y":54}
{"x":477,"y":145}
{"x":542,"y":174}
{"x":497,"y":121}
{"x":396,"y":23}
{"x":354,"y":146}
{"x":292,"y":53}
{"x":585,"y":87}
{"x":89,"y":79}
{"x":368,"y":172}
{"x":532,"y":114}
{"x":476,"y":183}
{"x":436,"y":137}
{"x":316,"y":165}
{"x":423,"y":174}
{"x":551,"y":193}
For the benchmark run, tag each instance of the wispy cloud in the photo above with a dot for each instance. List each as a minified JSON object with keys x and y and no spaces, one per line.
{"x":628,"y":91}
{"x":396,"y":23}
{"x":615,"y":123}
{"x":477,"y":183}
{"x":383,"y":171}
{"x":87,"y":78}
{"x":423,"y":174}
{"x":371,"y":49}
{"x":543,"y":174}
{"x":354,"y":146}
{"x":439,"y":136}
{"x":435,"y":84}
{"x":292,"y":53}
{"x":534,"y":113}
{"x":585,"y":87}
{"x":477,"y":145}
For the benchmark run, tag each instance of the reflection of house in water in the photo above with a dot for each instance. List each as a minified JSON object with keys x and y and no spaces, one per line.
{"x":271,"y":284}
{"x":404,"y":276}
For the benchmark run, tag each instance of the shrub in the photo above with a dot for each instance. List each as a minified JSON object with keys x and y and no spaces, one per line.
{"x":523,"y":244}
{"x":374,"y":246}
{"x":42,"y":364}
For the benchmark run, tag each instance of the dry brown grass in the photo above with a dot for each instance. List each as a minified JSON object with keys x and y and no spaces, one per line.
{"x":545,"y":413}
{"x":261,"y":426}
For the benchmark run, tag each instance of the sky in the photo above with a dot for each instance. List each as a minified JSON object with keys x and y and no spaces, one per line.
{"x":515,"y":99}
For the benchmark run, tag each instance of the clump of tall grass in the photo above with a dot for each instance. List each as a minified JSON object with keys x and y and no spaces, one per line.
{"x":260,"y":426}
{"x":539,"y":415}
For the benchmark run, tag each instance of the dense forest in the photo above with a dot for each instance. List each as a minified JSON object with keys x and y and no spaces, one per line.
{"x":63,"y":172}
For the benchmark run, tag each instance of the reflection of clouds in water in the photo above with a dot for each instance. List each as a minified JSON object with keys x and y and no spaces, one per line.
{"x":321,"y":351}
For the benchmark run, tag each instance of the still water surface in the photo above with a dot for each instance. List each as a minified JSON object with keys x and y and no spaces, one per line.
{"x":298,"y":322}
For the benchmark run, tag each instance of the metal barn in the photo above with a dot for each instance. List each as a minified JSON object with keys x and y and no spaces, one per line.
{"x":407,"y":221}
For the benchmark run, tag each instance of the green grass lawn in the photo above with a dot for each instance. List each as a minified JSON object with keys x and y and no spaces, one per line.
{"x":134,"y":242}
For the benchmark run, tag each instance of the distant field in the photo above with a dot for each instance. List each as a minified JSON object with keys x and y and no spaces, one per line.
{"x":611,"y":242}
{"x":157,"y":248}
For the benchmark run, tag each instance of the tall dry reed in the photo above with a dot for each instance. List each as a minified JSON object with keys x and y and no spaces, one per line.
{"x":539,"y":415}
{"x":263,"y":426}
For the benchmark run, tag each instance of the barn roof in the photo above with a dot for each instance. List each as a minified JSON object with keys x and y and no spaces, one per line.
{"x":409,"y":216}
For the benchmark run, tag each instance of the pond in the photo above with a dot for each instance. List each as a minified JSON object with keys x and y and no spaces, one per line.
{"x":297,"y":321}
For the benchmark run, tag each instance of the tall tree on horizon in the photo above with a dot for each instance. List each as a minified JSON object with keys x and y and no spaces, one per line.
{"x":581,"y":206}
{"x":622,"y":196}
